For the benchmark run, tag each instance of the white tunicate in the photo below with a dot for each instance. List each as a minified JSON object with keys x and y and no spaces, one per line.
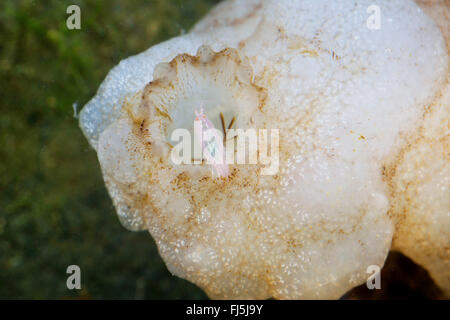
{"x":350,"y":103}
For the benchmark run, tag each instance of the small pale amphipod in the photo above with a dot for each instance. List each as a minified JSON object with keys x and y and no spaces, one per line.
{"x":212,"y":146}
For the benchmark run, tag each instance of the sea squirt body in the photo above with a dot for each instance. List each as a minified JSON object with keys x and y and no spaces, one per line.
{"x":347,"y":101}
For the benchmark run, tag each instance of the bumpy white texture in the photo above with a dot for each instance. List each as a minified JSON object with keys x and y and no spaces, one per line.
{"x":421,"y":199}
{"x":419,"y":178}
{"x":347,"y":100}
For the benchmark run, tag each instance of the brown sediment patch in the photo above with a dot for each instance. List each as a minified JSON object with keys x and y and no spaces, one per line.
{"x":439,"y":11}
